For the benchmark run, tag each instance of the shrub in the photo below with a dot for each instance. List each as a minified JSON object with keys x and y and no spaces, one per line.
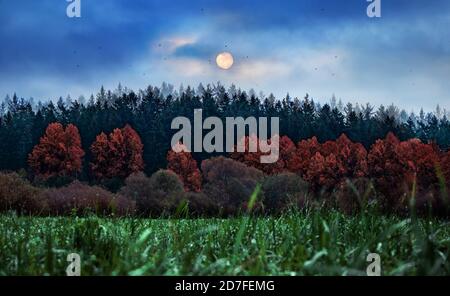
{"x":200,"y":205}
{"x":283,"y":191}
{"x":352,"y":196}
{"x":185,"y":166}
{"x":111,"y":184}
{"x":432,"y":202}
{"x":161,"y":192}
{"x":81,"y":199}
{"x":229,"y":183}
{"x":17,"y":194}
{"x":137,"y":188}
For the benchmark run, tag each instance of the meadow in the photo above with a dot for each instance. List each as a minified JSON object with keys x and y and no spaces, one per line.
{"x":307,"y":242}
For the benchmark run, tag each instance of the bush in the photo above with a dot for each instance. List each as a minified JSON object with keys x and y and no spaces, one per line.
{"x":55,"y":181}
{"x":200,"y":205}
{"x":17,"y":194}
{"x":153,"y":196}
{"x":283,"y":191}
{"x":111,"y":184}
{"x":353,"y":196}
{"x":81,"y":199}
{"x":229,"y":183}
{"x":432,"y":202}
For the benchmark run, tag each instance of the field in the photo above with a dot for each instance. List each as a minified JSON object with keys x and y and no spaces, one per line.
{"x":320,"y":242}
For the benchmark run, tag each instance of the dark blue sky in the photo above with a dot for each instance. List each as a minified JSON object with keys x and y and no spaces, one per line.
{"x":316,"y":46}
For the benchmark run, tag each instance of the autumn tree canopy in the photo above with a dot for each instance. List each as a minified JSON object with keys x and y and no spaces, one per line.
{"x":58,"y":153}
{"x":287,"y":157}
{"x":117,"y":155}
{"x":328,"y":164}
{"x":397,"y":167}
{"x":324,"y":164}
{"x":181,"y":162}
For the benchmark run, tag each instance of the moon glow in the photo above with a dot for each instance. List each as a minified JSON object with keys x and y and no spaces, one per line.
{"x":224,"y":60}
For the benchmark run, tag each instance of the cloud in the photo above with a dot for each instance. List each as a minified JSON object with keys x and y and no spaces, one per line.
{"x":261,"y":70}
{"x":188,"y":68}
{"x":170,"y":45}
{"x":320,"y":47}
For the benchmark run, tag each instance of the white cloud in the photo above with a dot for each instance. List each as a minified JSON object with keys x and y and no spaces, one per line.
{"x":169,"y":45}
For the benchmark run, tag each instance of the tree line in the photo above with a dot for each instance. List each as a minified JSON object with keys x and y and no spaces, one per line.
{"x":149,"y":112}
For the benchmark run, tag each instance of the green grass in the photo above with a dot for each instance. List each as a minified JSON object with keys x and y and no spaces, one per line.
{"x":298,"y":243}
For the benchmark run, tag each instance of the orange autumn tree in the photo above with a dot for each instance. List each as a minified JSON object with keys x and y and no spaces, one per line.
{"x":445,"y":167}
{"x":422,"y":160}
{"x":306,"y":150}
{"x":397,"y":167}
{"x":181,"y":162}
{"x":117,"y":155}
{"x":328,"y":164}
{"x":352,"y":157}
{"x":287,"y":156}
{"x":58,"y":153}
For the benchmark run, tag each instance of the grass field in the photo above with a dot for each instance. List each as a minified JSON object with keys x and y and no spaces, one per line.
{"x":298,"y":243}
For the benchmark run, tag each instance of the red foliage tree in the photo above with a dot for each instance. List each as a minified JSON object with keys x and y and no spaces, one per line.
{"x":306,"y":150}
{"x":396,"y":166}
{"x":181,"y":162}
{"x":352,"y":157}
{"x":100,"y":151}
{"x":287,"y":155}
{"x":323,"y":165}
{"x":133,"y":149}
{"x":422,"y":160}
{"x":323,"y":171}
{"x":58,"y":153}
{"x":328,"y":164}
{"x":387,"y":169}
{"x":117,"y":155}
{"x":445,"y":166}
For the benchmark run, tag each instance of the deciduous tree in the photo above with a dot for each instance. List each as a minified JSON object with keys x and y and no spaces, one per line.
{"x":117,"y":155}
{"x":181,"y":162}
{"x":58,"y":153}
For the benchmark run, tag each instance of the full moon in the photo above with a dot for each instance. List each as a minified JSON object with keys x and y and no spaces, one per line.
{"x":224,"y":60}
